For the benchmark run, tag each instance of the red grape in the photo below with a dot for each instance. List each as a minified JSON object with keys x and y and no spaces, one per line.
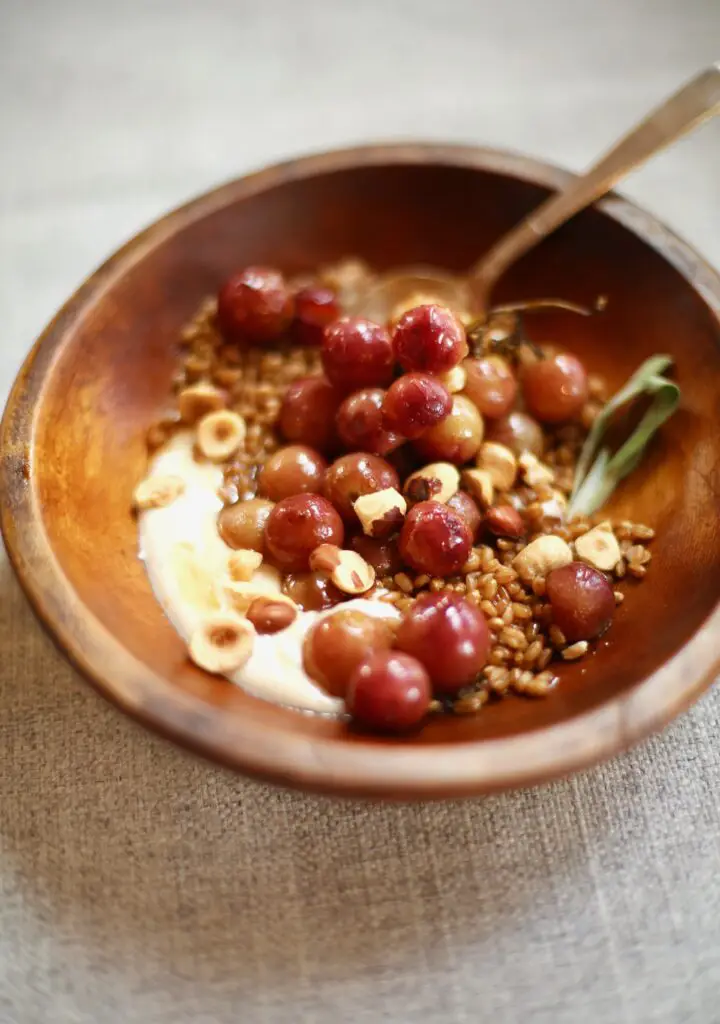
{"x":389,"y":692}
{"x":555,"y":389}
{"x":382,"y":555}
{"x":449,"y":635}
{"x":414,"y":403}
{"x":242,"y":525}
{"x":430,"y":339}
{"x":435,"y":539}
{"x":254,"y":305}
{"x":336,"y":645}
{"x":491,"y":385}
{"x":311,"y":591}
{"x":296,"y":526}
{"x":307,"y":414}
{"x":295,"y":469}
{"x":457,"y":438}
{"x":581,"y":600}
{"x":357,"y":353}
{"x":518,"y":432}
{"x":466,"y":507}
{"x":353,"y":475}
{"x":360,"y":423}
{"x":315,"y":308}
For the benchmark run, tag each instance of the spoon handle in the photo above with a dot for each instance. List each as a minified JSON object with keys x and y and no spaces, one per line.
{"x":695,"y":102}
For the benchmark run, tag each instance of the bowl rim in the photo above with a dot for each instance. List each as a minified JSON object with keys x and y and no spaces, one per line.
{"x":276,"y":753}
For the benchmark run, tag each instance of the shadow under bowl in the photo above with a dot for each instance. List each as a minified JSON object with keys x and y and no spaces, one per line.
{"x":73,"y":450}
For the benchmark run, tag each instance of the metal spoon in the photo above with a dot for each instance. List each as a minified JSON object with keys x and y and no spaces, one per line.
{"x":697,"y":101}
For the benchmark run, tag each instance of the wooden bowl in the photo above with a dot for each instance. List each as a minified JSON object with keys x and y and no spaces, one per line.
{"x":73,"y":449}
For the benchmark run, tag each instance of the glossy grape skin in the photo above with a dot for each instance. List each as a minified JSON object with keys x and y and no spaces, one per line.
{"x":414,"y":403}
{"x":295,"y":469}
{"x":254,"y":306}
{"x":555,"y":389}
{"x":307,"y":414}
{"x":449,"y":635}
{"x":351,"y":476}
{"x":360,"y":423}
{"x":490,"y":385}
{"x":429,"y":339}
{"x":315,"y":307}
{"x":389,"y":692}
{"x":382,"y":555}
{"x":242,"y":525}
{"x":335,"y":646}
{"x":466,"y":507}
{"x":581,"y":599}
{"x":435,"y":539}
{"x":311,"y":591}
{"x":518,"y":432}
{"x":357,"y":353}
{"x":296,"y":526}
{"x":457,"y":438}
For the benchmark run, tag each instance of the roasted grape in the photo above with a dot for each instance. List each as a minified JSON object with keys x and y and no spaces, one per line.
{"x":555,"y":389}
{"x":435,"y":539}
{"x":315,"y":308}
{"x":430,"y":339}
{"x":581,"y":600}
{"x":295,"y":469}
{"x":255,"y":306}
{"x":311,"y":591}
{"x":414,"y":403}
{"x":360,"y":423}
{"x":335,"y":646}
{"x":449,"y":635}
{"x":518,"y":432}
{"x":389,"y":692}
{"x":307,"y":413}
{"x":490,"y":385}
{"x":457,"y":438}
{"x":296,"y":526}
{"x":351,"y":476}
{"x":466,"y":507}
{"x":242,"y":525}
{"x":357,"y":353}
{"x":382,"y":555}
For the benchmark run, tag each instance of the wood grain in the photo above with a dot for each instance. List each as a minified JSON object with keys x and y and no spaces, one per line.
{"x":72,"y":451}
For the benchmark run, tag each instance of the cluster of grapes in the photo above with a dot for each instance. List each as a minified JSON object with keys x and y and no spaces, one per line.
{"x":387,"y":398}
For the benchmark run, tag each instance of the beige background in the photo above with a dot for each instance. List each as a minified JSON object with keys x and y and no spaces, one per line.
{"x":138,"y":884}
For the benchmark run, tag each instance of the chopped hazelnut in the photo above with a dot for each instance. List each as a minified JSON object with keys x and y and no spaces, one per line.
{"x":381,"y":513}
{"x":479,"y":484}
{"x":198,"y":400}
{"x":541,"y":556}
{"x":220,"y":434}
{"x":500,"y":462}
{"x":222,"y":643}
{"x":347,"y":569}
{"x":243,"y":563}
{"x":599,"y":548}
{"x":535,"y":472}
{"x":270,"y":616}
{"x":158,"y":492}
{"x":437,"y":482}
{"x":505,"y":521}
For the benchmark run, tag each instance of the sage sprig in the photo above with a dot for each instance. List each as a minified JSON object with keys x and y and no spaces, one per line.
{"x":598,"y":471}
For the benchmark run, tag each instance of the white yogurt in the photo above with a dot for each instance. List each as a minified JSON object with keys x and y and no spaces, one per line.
{"x":186,"y":561}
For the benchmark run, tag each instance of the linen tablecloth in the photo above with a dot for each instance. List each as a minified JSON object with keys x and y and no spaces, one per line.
{"x":140,"y":884}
